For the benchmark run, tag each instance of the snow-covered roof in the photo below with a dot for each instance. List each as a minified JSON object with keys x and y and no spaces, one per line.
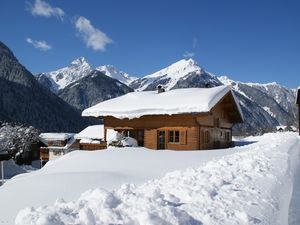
{"x":91,"y":132}
{"x":89,"y":141}
{"x":178,"y":101}
{"x":281,"y":127}
{"x":56,"y":136}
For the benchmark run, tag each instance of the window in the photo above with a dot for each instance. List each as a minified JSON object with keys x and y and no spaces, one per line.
{"x":174,"y":136}
{"x":57,"y":152}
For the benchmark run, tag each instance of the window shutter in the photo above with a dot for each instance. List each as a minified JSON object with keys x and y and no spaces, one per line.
{"x":183,"y":134}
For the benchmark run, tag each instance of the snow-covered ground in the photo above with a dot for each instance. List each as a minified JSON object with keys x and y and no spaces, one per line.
{"x":249,"y":184}
{"x":294,"y":215}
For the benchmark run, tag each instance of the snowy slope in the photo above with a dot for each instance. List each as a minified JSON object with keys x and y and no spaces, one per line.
{"x":79,"y":171}
{"x":252,"y":185}
{"x":175,"y":76}
{"x":61,"y":78}
{"x":113,"y":72}
{"x":273,"y":102}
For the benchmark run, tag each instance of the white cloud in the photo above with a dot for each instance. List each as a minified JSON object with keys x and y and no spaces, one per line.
{"x":93,"y":37}
{"x":41,"y":45}
{"x":42,"y":8}
{"x":189,"y":54}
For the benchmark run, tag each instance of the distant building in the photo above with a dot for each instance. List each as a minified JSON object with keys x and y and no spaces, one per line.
{"x":286,"y":128}
{"x":181,"y":119}
{"x":56,"y":145}
{"x":91,"y":138}
{"x":298,"y":103}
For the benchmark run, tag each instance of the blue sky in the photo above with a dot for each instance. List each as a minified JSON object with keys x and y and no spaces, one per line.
{"x":255,"y":41}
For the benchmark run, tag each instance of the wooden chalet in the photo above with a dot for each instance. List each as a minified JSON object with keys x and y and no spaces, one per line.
{"x":91,"y":138}
{"x":181,"y":119}
{"x":55,"y":145}
{"x":298,"y":103}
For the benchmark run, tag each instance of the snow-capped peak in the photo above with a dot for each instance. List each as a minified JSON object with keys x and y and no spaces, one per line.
{"x":78,"y":62}
{"x":178,"y":69}
{"x":60,"y":78}
{"x":226,"y":80}
{"x":171,"y":75}
{"x":113,"y":72}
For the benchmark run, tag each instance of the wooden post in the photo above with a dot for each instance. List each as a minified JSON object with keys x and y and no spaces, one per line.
{"x":105,"y":137}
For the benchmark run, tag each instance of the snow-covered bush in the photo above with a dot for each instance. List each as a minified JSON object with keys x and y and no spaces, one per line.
{"x":16,"y":139}
{"x":129,"y":142}
{"x":117,"y":139}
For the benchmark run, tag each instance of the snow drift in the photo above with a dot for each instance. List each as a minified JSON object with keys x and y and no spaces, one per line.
{"x":252,"y":186}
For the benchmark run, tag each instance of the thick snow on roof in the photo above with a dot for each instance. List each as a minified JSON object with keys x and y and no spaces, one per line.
{"x":178,"y":101}
{"x":91,"y":132}
{"x":56,"y":136}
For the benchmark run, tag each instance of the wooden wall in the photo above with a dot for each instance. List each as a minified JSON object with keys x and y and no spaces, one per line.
{"x":92,"y":147}
{"x":151,"y":122}
{"x":214,"y":138}
{"x":150,"y":138}
{"x":55,"y":143}
{"x":189,"y":138}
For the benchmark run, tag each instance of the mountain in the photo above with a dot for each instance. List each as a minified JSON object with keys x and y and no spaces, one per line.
{"x":92,"y":89}
{"x":113,"y":72}
{"x":182,"y":74}
{"x":24,"y":100}
{"x":265,"y":106}
{"x":59,"y":79}
{"x":78,"y":69}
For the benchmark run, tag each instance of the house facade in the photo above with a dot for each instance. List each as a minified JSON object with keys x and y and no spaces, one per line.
{"x":181,"y":119}
{"x":91,"y":138}
{"x":55,"y":145}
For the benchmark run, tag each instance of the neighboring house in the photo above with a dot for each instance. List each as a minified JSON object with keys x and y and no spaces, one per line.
{"x":298,"y":103}
{"x":180,"y":119}
{"x":57,"y":144}
{"x":286,"y":128}
{"x":91,"y":138}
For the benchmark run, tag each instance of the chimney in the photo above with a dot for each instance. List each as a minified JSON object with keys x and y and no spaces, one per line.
{"x":160,"y":89}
